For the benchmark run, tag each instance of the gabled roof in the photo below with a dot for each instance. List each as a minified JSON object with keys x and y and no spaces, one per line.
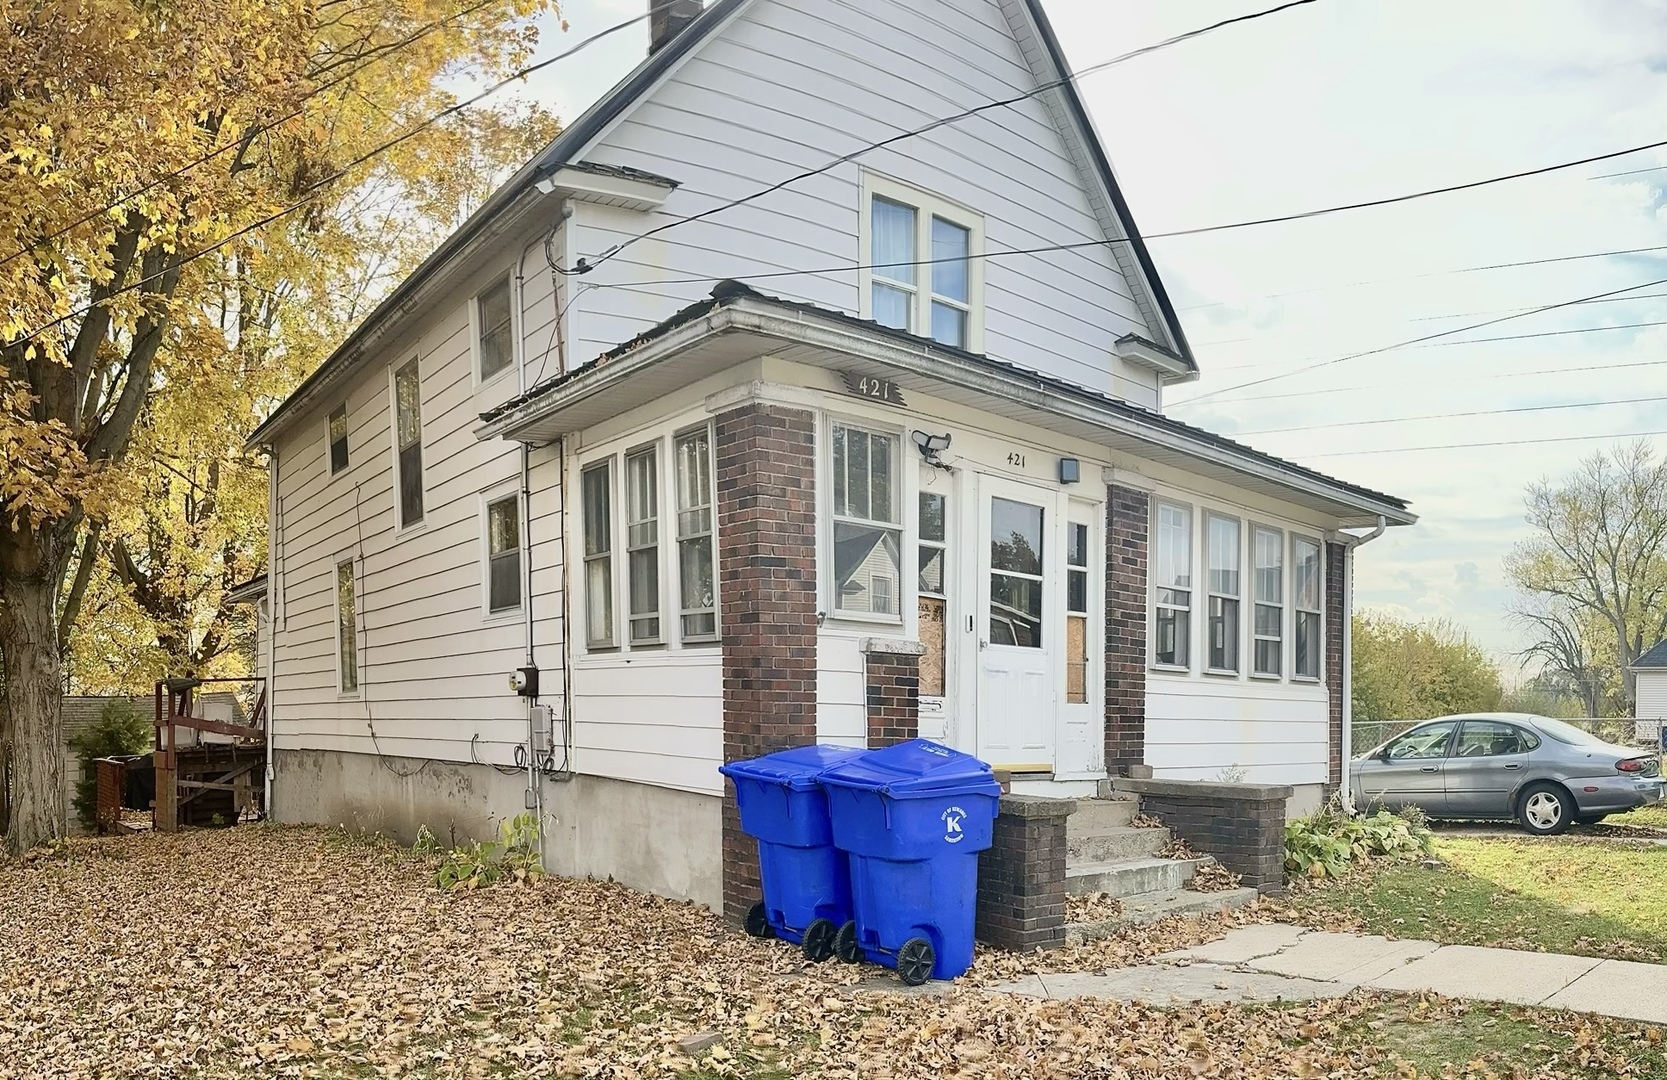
{"x":1048,"y":64}
{"x":1655,"y":658}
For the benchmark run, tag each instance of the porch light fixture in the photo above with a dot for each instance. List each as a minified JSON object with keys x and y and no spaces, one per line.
{"x":1070,"y":470}
{"x":930,"y":446}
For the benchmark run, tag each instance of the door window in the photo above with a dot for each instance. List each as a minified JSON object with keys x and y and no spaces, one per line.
{"x":1015,"y":574}
{"x":932,"y":600}
{"x":1490,"y":738}
{"x":1423,"y":743}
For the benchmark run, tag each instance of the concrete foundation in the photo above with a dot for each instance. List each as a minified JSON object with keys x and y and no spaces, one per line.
{"x":655,"y":839}
{"x":1305,"y":799}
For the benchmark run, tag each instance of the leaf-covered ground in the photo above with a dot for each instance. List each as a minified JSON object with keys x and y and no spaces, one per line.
{"x":266,"y":951}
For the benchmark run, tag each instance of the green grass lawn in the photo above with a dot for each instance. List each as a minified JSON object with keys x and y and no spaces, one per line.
{"x":1593,"y":898}
{"x":1653,"y":817}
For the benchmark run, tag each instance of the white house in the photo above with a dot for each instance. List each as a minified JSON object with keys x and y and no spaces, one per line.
{"x":583,"y":510}
{"x":1649,"y":673}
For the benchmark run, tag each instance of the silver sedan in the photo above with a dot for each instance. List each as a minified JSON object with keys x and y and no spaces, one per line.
{"x":1544,"y":773}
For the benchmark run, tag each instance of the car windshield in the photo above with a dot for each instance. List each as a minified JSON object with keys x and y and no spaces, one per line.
{"x":1567,"y":733}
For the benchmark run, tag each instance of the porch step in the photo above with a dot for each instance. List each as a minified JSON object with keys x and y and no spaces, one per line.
{"x":1153,"y":907}
{"x":1130,"y":877}
{"x":1110,"y":844}
{"x":1094,"y":815}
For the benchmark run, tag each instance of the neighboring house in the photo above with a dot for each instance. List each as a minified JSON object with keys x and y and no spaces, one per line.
{"x":709,"y":522}
{"x":1649,"y":673}
{"x":81,"y":712}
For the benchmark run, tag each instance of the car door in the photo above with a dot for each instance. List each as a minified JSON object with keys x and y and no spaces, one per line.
{"x":1408,"y":771}
{"x":1487,"y":762}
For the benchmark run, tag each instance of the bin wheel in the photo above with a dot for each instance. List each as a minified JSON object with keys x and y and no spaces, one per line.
{"x":758,"y":924}
{"x":819,"y":940}
{"x":915,"y":961}
{"x":845,"y":943}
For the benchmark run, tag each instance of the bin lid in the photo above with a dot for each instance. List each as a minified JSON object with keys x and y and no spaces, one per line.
{"x":797,"y":769}
{"x":916,"y":769}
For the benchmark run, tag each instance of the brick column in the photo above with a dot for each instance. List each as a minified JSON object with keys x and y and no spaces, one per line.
{"x":1336,"y":618}
{"x":765,"y":461}
{"x":1021,"y":877}
{"x":1242,"y":825}
{"x":1128,"y":513}
{"x":893,"y":690}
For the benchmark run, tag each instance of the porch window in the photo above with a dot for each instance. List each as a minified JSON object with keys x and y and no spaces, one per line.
{"x":1268,"y":549}
{"x":503,"y":554}
{"x":1222,"y":555}
{"x":495,"y":322}
{"x":338,"y":439}
{"x":696,"y":582}
{"x":642,"y":544}
{"x":923,"y":274}
{"x":347,"y":623}
{"x":867,"y":540}
{"x":1076,"y":613}
{"x":933,"y":527}
{"x":596,"y":487}
{"x":408,"y":443}
{"x":1305,"y":596}
{"x":1172,"y":587}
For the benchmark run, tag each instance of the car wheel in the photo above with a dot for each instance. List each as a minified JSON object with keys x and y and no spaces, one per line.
{"x":1545,"y":810}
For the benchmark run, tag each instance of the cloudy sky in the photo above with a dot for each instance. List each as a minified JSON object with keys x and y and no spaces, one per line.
{"x":1350,"y":100}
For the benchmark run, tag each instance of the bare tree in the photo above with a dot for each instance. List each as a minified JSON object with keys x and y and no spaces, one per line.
{"x":1563,"y":644}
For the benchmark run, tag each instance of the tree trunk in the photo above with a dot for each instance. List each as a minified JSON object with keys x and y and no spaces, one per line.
{"x":29,"y":642}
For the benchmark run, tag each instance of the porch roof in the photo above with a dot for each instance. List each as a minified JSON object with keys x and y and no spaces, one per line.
{"x":739,"y":324}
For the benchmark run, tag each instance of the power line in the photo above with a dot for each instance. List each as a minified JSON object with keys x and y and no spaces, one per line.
{"x":1452,"y":415}
{"x":583,"y":267}
{"x":1629,"y":172}
{"x":1478,"y":445}
{"x":1418,"y":341}
{"x":1499,"y":311}
{"x":1471,"y":378}
{"x":450,"y":110}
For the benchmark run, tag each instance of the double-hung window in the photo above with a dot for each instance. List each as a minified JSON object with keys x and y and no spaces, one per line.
{"x":495,"y":323}
{"x":596,"y":496}
{"x":924,"y":274}
{"x":867,"y":530}
{"x":697,"y":584}
{"x":1305,"y":596}
{"x":347,"y":623}
{"x":642,"y":544}
{"x":1268,"y":581}
{"x":338,"y":439}
{"x":1222,"y":624}
{"x":503,"y":554}
{"x":408,"y":443}
{"x":1172,"y":587}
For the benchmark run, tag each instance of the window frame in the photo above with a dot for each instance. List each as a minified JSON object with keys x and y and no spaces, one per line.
{"x":710,"y":534}
{"x":401,"y":525}
{"x":624,"y":524}
{"x":477,"y":331}
{"x":1211,"y":595}
{"x":922,"y":545}
{"x":348,"y":642}
{"x":606,"y":465}
{"x":330,"y":439}
{"x":1153,"y":588}
{"x":1526,"y":738}
{"x":926,"y":206}
{"x":900,"y":490}
{"x":488,"y":500}
{"x":1298,"y":611}
{"x":1256,"y":601}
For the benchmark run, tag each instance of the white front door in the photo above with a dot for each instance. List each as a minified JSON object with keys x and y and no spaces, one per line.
{"x":1016,"y":626}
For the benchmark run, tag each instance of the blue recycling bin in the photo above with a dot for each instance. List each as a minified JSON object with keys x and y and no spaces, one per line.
{"x":806,"y":879}
{"x":913,"y":818}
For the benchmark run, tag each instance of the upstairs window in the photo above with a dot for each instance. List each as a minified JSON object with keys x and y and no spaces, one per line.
{"x":408,"y":443}
{"x":495,"y":324}
{"x":1305,"y":597}
{"x":338,"y":439}
{"x":924,"y":272}
{"x":1222,"y":624}
{"x":867,"y":518}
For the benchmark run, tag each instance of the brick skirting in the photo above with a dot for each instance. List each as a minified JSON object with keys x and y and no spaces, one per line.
{"x":1021,"y":877}
{"x":892,"y":675}
{"x":1128,"y":529}
{"x":1242,"y":825}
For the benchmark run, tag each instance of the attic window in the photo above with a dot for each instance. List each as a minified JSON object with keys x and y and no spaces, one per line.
{"x":923,"y":272}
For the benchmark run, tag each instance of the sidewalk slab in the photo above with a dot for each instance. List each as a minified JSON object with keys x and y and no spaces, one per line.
{"x":1346,"y":958}
{"x":1242,"y":944}
{"x":1618,"y":988}
{"x":1522,"y":978}
{"x":1158,"y":985}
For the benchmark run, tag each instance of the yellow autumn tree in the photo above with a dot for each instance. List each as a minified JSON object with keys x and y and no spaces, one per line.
{"x":185,"y":224}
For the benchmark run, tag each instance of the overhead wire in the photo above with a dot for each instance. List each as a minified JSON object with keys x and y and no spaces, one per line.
{"x":1377,"y":421}
{"x":1461,"y":379}
{"x":1480,"y":445}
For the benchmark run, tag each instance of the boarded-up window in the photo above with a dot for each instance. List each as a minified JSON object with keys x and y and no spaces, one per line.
{"x":1076,"y":613}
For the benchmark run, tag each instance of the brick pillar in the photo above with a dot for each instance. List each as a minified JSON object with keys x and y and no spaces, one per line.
{"x":1336,"y":618}
{"x":765,"y":458}
{"x":1021,"y":877}
{"x":1128,"y":513}
{"x":1242,"y":825}
{"x":893,"y":692}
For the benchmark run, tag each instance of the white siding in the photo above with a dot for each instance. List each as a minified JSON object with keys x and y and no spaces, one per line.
{"x":793,"y":83}
{"x":1652,"y":695}
{"x":1198,"y":727}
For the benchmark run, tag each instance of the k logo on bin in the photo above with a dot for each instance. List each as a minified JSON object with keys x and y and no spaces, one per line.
{"x":952,"y":819}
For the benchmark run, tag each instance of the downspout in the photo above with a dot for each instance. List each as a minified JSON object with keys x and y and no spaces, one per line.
{"x":1347,"y":788}
{"x":273,"y":588}
{"x":535,"y":788}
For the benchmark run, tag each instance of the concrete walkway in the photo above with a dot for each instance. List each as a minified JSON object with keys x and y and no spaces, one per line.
{"x":1274,"y":962}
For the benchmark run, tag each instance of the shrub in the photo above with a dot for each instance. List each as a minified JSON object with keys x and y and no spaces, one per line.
{"x":121,"y":728}
{"x":1330,"y":843}
{"x":511,"y":859}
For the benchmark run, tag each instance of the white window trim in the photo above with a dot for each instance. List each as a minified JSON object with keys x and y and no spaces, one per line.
{"x":1193,"y":555}
{"x":477,"y":326}
{"x":675,"y":557}
{"x":1093,"y":516}
{"x":335,"y":604}
{"x":484,"y":501}
{"x":400,"y":527}
{"x":1211,"y":594}
{"x":902,"y":492}
{"x":329,"y":442}
{"x":622,"y":524}
{"x":1285,"y":657}
{"x":1297,"y":609}
{"x":927,"y":206}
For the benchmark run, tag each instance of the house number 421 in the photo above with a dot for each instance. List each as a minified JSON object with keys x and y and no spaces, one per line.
{"x":1016,"y":459}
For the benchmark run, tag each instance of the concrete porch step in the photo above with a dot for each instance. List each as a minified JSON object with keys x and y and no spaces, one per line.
{"x":1109,"y":844}
{"x":1149,"y":908}
{"x":1124,"y":878}
{"x":1094,"y":815}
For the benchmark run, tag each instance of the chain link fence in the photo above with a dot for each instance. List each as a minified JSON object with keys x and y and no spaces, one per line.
{"x":1368,"y":734}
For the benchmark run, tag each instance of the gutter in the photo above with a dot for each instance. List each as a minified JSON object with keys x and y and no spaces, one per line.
{"x":272,"y":581}
{"x":1345,"y":784}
